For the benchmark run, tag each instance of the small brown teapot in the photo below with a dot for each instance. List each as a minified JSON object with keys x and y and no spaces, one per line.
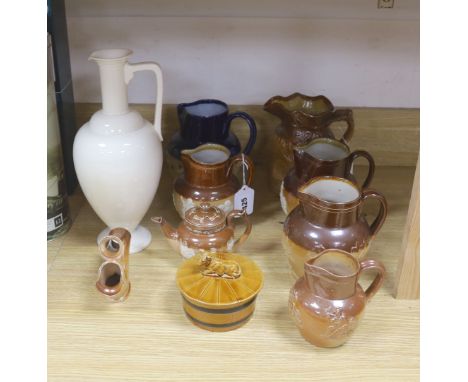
{"x":205,"y":227}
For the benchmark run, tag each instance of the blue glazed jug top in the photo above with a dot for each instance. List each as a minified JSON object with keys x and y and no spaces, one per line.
{"x":203,"y":120}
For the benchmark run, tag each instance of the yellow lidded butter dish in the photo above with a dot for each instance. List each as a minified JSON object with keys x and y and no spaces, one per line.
{"x":219,"y":290}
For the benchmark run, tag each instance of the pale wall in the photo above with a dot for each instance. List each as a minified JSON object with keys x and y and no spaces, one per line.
{"x":244,"y":52}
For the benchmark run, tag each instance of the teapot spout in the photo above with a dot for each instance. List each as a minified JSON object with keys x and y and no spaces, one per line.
{"x":166,"y":228}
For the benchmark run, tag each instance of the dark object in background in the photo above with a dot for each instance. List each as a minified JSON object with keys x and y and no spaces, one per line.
{"x":57,"y":27}
{"x":58,"y":213}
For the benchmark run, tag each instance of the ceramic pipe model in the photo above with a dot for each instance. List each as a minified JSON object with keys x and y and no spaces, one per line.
{"x":113,"y":281}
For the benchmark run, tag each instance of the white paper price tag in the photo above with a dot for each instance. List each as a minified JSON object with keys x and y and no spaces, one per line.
{"x":244,"y":199}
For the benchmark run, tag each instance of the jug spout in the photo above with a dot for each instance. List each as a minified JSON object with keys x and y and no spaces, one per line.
{"x":166,"y":228}
{"x":112,"y":64}
{"x":113,"y":281}
{"x":206,"y":165}
{"x":275,"y":106}
{"x":332,"y":274}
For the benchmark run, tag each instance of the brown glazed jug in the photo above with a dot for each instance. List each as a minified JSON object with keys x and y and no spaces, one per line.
{"x":327,"y":303}
{"x":321,"y":157}
{"x":329,"y":216}
{"x":208,"y":178}
{"x":205,"y":227}
{"x":303,"y":118}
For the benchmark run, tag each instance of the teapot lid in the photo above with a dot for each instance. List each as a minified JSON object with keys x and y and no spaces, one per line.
{"x":205,"y":217}
{"x":219,"y":279}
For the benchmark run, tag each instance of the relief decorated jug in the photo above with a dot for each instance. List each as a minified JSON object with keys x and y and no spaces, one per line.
{"x":208,"y":177}
{"x":321,"y":157}
{"x":327,"y":303}
{"x":207,"y":228}
{"x":207,"y":121}
{"x":303,"y":118}
{"x":330,"y":216}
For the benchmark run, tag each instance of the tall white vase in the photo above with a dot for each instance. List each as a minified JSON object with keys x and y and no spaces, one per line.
{"x":118,"y":154}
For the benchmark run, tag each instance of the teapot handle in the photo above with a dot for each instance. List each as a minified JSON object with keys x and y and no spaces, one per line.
{"x":345,"y":115}
{"x":246,"y":162}
{"x":250,"y":122}
{"x":370,"y":173}
{"x":248,"y":225}
{"x":371,"y":264}
{"x":376,"y":225}
{"x":130,"y":69}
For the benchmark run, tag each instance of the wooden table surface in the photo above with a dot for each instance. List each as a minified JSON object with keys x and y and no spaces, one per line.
{"x":149,"y":338}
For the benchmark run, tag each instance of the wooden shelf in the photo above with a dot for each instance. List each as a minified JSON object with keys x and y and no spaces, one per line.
{"x":149,"y":338}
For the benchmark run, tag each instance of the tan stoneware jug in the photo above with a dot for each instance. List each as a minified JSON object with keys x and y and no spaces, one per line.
{"x":303,"y":118}
{"x":327,"y":303}
{"x":205,"y":227}
{"x":329,"y":216}
{"x":321,"y":157}
{"x":208,"y":177}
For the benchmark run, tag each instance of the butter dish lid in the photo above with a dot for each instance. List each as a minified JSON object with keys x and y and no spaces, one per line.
{"x":219,"y":279}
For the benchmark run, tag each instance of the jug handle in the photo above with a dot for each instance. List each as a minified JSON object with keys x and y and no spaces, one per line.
{"x":370,"y":173}
{"x":345,"y":115}
{"x":130,"y":69}
{"x":244,"y":160}
{"x":376,"y":225}
{"x":253,"y":128}
{"x":248,"y":225}
{"x":371,"y":264}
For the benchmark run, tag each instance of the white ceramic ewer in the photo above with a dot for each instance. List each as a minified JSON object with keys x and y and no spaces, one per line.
{"x":118,"y":154}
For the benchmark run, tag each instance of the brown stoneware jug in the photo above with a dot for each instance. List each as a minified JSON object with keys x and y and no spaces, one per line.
{"x":327,"y":303}
{"x":321,"y":157}
{"x":205,"y":227}
{"x":303,"y":118}
{"x":208,"y":177}
{"x":329,"y":216}
{"x":113,"y":281}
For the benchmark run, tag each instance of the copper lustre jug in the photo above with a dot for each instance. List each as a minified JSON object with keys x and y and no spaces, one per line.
{"x":207,"y":228}
{"x":303,"y":118}
{"x":208,"y":177}
{"x":321,"y":157}
{"x":329,"y":216}
{"x":327,"y":303}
